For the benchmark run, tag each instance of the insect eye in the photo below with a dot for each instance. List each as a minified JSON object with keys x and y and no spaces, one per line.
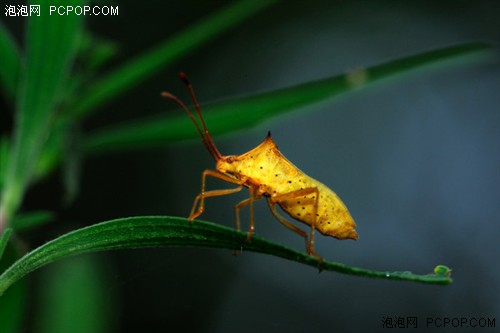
{"x":230,"y":159}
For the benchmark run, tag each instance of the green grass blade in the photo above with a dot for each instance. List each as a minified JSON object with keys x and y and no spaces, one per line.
{"x":26,"y":221}
{"x":13,"y":308}
{"x":96,"y":51}
{"x":137,"y":232}
{"x":51,"y":44}
{"x":246,"y":112}
{"x":4,"y":239}
{"x":13,"y":304}
{"x":72,"y":165}
{"x":65,"y":303}
{"x":4,"y":159}
{"x":137,"y":70}
{"x":11,"y":62}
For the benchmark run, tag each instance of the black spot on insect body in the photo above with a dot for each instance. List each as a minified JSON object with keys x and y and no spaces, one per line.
{"x":289,"y":182}
{"x":261,"y":168}
{"x":303,"y":207}
{"x":298,"y":214}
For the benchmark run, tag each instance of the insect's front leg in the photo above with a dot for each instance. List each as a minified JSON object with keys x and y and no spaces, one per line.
{"x":253,"y":197}
{"x":200,"y":198}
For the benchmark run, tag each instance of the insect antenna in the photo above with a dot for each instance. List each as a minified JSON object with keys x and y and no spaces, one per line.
{"x":208,"y":144}
{"x":215,"y":152}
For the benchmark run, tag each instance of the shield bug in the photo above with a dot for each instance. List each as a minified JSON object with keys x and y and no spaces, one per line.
{"x":268,"y":174}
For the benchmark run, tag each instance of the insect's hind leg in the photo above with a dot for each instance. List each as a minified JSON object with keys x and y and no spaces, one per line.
{"x":292,"y":195}
{"x":200,"y":198}
{"x":285,"y":222}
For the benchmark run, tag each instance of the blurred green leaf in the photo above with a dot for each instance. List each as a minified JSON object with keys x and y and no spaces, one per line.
{"x":74,"y":298}
{"x":12,"y":308}
{"x":4,"y":159}
{"x":62,"y":148}
{"x":11,"y":62}
{"x":13,"y":302}
{"x":158,"y":231}
{"x":50,"y":46}
{"x":4,"y":239}
{"x":92,"y":54}
{"x":72,"y":164}
{"x":137,"y":70}
{"x":53,"y":151}
{"x":25,"y":221}
{"x":246,"y":112}
{"x":95,"y":52}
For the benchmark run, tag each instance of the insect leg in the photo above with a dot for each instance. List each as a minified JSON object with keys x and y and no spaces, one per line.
{"x":200,"y":198}
{"x":242,"y":204}
{"x":294,"y":195}
{"x":285,"y":222}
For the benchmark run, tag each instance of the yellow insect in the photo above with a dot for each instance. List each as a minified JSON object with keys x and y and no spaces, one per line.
{"x":267,"y":173}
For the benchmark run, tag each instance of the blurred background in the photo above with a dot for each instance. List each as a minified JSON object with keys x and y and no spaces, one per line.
{"x":415,"y":160}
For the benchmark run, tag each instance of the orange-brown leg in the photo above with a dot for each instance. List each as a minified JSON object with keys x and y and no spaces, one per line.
{"x":285,"y":222}
{"x":214,"y":193}
{"x":293,"y":195}
{"x":242,"y":204}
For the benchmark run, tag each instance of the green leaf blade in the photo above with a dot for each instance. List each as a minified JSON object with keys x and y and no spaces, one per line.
{"x":30,"y":220}
{"x":64,"y":303}
{"x":51,"y":45}
{"x":4,"y":159}
{"x":137,"y":70}
{"x":11,"y":62}
{"x":4,"y":239}
{"x":139,"y":232}
{"x":249,"y":111}
{"x":13,"y":304}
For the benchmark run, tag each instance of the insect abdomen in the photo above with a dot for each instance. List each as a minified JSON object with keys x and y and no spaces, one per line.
{"x":331,"y":218}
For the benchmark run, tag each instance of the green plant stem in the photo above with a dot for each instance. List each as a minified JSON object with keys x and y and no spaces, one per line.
{"x":156,"y":231}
